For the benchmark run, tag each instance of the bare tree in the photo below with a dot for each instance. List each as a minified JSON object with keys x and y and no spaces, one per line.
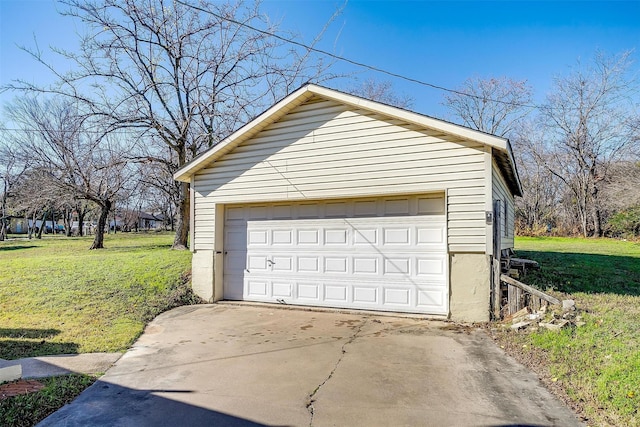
{"x":621,"y":188}
{"x":12,"y":168}
{"x":72,"y":155}
{"x":587,"y":120}
{"x":381,"y":91}
{"x":187,"y":75}
{"x":494,"y":105}
{"x":537,"y":210}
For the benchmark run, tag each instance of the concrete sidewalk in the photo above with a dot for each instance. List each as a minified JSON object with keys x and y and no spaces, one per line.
{"x":49,"y":366}
{"x":254,"y":366}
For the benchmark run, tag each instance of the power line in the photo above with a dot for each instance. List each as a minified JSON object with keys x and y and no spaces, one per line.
{"x":356,"y":63}
{"x":85,"y":131}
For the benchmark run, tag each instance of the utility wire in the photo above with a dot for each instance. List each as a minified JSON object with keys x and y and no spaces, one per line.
{"x":353,"y":62}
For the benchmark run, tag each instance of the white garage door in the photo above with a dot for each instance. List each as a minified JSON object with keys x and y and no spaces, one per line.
{"x":378,"y":254}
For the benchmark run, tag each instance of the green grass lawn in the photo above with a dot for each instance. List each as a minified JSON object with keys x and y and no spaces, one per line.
{"x":596,"y":366}
{"x":58,"y":297}
{"x":29,"y":409}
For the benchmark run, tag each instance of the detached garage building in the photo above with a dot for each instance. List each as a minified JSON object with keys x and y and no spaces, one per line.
{"x":327,"y":199}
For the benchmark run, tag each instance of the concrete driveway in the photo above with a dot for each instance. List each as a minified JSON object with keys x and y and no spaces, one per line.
{"x":227,"y":365}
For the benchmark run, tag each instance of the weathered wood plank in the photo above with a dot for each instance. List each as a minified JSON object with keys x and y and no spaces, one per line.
{"x":529,"y":289}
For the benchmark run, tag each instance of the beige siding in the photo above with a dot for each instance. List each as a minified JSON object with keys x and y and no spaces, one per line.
{"x":501,"y":192}
{"x":203,"y":221}
{"x":323,"y":149}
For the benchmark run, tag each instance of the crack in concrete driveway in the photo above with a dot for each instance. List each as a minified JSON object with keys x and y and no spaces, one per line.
{"x":343,"y":351}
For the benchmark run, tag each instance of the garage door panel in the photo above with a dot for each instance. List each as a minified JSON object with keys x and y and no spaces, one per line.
{"x":309,"y":291}
{"x":368,"y":254}
{"x":257,"y":263}
{"x":282,"y":290}
{"x":258,"y":212}
{"x":234,"y":214}
{"x":365,"y":295}
{"x":398,"y":297}
{"x":283,"y":211}
{"x":337,"y":209}
{"x":235,"y":237}
{"x":282,"y":264}
{"x":363,"y":236}
{"x":364,"y":265}
{"x":308,"y":264}
{"x":257,"y":288}
{"x":336,"y":293}
{"x":308,"y":237}
{"x":431,"y":266}
{"x":234,"y":263}
{"x":365,"y":208}
{"x":282,"y":237}
{"x":234,"y":287}
{"x":397,"y":266}
{"x":430,"y":300}
{"x":431,"y":236}
{"x":335,"y":265}
{"x":335,"y":236}
{"x":397,"y":236}
{"x":396,"y":207}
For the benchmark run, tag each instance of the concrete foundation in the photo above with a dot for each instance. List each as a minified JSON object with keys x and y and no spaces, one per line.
{"x":470,"y":284}
{"x":202,"y":274}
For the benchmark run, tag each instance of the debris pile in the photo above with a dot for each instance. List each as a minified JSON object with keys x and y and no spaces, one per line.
{"x":549,"y":317}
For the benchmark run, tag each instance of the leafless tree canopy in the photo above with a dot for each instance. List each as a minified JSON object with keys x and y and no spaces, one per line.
{"x":72,"y":157}
{"x":381,"y":91}
{"x":572,"y":151}
{"x":184,"y":76}
{"x":493,"y":105}
{"x":587,"y":130}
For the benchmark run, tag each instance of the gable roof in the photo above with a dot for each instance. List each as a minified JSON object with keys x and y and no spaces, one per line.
{"x":502,"y":148}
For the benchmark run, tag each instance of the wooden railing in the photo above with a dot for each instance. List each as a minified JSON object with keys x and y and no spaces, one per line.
{"x":516,"y":295}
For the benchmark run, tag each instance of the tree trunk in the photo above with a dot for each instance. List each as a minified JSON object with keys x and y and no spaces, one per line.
{"x":596,"y":214}
{"x":3,"y":223}
{"x":115,"y":222}
{"x":182,"y":227}
{"x":43,"y":225}
{"x":171,"y":223}
{"x":68,"y":221}
{"x":30,"y":227}
{"x":105,"y":208}
{"x":80,"y":210}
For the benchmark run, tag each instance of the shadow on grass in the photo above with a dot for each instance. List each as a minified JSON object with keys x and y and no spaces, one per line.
{"x":23,"y":342}
{"x":16,"y":247}
{"x":27,"y":333}
{"x":589,"y":273}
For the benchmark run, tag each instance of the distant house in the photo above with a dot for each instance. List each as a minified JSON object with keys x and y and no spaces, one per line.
{"x":328,"y":199}
{"x":147,"y":221}
{"x":133,"y":220}
{"x":20,"y":225}
{"x":17,"y":224}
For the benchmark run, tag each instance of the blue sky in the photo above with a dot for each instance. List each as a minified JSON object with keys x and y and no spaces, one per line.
{"x":435,"y":41}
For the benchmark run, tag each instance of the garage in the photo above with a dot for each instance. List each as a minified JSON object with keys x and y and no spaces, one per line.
{"x":385,"y":254}
{"x":330,"y":200}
